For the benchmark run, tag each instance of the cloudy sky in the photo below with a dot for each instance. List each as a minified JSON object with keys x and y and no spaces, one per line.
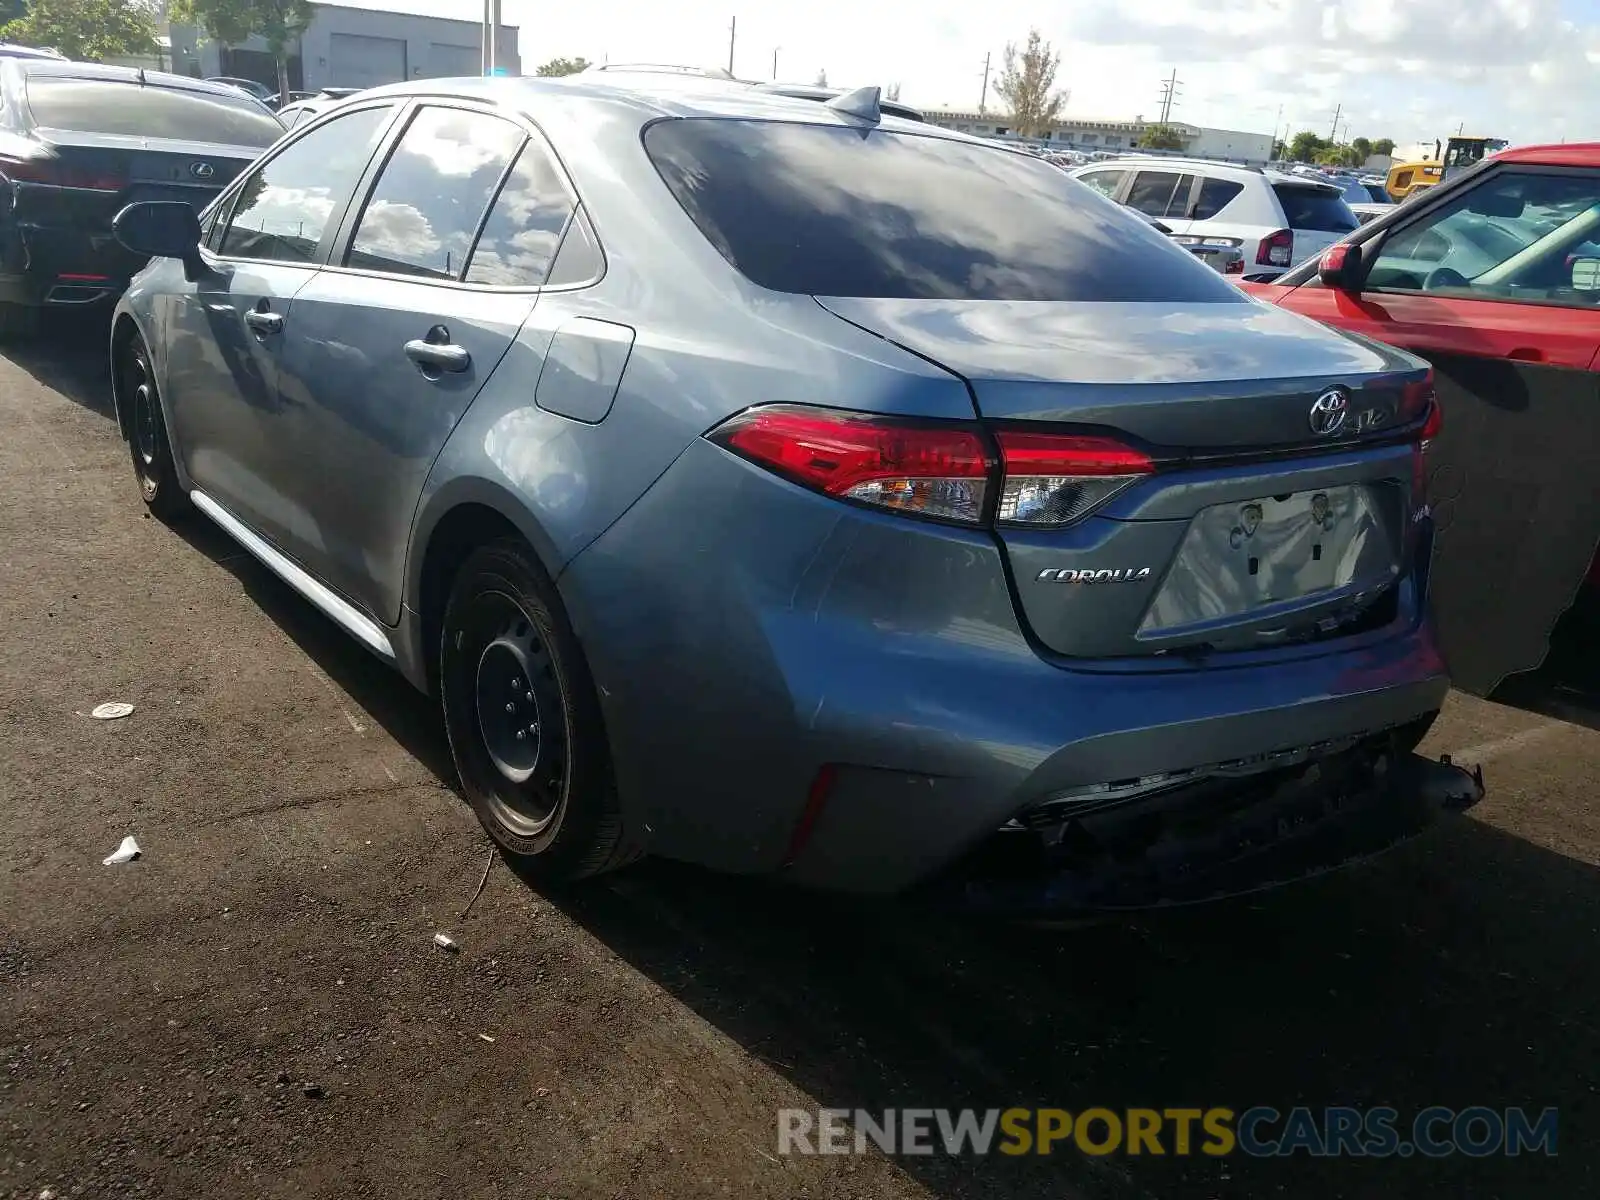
{"x":1413,"y":70}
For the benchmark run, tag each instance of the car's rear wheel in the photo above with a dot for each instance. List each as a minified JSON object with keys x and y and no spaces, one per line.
{"x":147,"y":434}
{"x":523,"y":718}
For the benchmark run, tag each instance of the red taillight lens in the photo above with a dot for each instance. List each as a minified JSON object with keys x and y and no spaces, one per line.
{"x":53,"y":172}
{"x":1277,"y":250}
{"x":930,"y":470}
{"x":938,"y":470}
{"x":1434,"y":425}
{"x":1056,"y":479}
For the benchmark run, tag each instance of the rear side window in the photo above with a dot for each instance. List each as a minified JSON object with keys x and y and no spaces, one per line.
{"x":106,"y":106}
{"x":1315,"y":208}
{"x":1104,"y":182}
{"x":431,"y":195}
{"x":1215,"y":195}
{"x":833,"y":211}
{"x":524,"y":226}
{"x":1160,"y":193}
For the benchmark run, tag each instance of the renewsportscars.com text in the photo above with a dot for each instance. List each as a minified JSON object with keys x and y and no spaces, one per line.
{"x":1261,"y":1131}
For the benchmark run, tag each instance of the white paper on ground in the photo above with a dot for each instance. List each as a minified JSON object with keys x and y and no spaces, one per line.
{"x":127,"y":852}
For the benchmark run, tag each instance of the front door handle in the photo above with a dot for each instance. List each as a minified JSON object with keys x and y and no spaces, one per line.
{"x":438,"y":356}
{"x":264,"y":322}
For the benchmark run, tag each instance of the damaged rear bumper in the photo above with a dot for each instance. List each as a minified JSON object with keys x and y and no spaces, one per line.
{"x":1214,"y":838}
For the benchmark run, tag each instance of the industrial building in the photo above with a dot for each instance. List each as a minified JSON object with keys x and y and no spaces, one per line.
{"x":1074,"y":133}
{"x":352,"y":47}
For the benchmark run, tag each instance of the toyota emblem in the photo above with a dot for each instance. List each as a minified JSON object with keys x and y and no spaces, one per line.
{"x":1330,"y":411}
{"x":202,"y":170}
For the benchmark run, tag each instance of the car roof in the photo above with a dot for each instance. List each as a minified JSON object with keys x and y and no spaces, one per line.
{"x":1224,"y":170}
{"x":650,"y":96}
{"x":1564,"y":154}
{"x":63,"y":69}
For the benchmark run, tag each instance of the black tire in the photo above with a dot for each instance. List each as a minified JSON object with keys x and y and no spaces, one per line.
{"x":148,"y":444}
{"x":524,"y":721}
{"x":18,"y":321}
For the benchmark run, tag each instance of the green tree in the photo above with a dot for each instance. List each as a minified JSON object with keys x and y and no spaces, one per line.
{"x":1160,"y":137}
{"x":85,"y":29}
{"x":1384,"y":146}
{"x":1362,"y":148}
{"x":279,"y":23}
{"x":1304,"y":145}
{"x":1027,"y":84}
{"x":563,"y":66}
{"x":11,"y":10}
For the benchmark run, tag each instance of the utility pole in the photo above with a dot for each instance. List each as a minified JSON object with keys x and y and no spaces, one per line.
{"x":775,"y":50}
{"x":983,"y":97}
{"x":733,"y":32}
{"x":1169,"y":96}
{"x":1333,"y":134}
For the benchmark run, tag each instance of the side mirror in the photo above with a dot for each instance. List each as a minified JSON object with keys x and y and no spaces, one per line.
{"x":1585,"y":274}
{"x":1340,"y":267}
{"x":163,"y":229}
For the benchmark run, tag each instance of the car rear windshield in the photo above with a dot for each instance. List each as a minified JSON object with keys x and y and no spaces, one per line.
{"x":834,"y":211}
{"x":1315,"y":208}
{"x":107,"y":106}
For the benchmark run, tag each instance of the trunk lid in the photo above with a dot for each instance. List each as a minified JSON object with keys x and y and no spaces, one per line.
{"x":1255,"y":531}
{"x":102,"y":173}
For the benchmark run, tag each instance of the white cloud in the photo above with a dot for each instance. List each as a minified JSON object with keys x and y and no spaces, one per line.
{"x":1410,"y":69}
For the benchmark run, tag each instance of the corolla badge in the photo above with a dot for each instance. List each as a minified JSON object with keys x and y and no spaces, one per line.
{"x":1090,"y":575}
{"x":1329,"y":412}
{"x":202,"y":170}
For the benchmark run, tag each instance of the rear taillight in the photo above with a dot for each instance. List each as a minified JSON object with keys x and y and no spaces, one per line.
{"x":1056,"y":479}
{"x":1277,"y":250}
{"x":941,"y":470}
{"x":53,"y":172}
{"x":1427,"y":404}
{"x":937,"y":471}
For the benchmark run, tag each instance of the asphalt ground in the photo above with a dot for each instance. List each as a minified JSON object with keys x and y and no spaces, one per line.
{"x":256,"y":1007}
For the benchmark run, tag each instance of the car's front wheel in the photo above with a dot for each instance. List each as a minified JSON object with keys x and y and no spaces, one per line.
{"x":147,"y":434}
{"x":524,"y":720}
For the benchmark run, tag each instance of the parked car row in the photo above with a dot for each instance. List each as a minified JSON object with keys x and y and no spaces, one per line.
{"x":969,"y":537}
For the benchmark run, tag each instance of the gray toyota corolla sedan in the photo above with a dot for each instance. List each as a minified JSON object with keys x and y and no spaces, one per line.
{"x":792,"y":489}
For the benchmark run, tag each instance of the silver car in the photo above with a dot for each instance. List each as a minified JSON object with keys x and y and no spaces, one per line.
{"x":802,"y":491}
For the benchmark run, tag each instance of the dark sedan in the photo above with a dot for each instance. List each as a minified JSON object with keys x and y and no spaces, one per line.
{"x":78,"y":143}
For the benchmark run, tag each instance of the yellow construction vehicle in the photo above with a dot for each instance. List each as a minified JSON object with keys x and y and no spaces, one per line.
{"x":1406,"y":179}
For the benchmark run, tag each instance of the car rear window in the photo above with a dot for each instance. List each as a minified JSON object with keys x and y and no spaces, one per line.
{"x":107,"y":106}
{"x":1315,"y":208}
{"x":834,"y":211}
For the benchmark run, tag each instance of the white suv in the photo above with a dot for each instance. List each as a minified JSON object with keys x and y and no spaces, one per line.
{"x":1276,"y":220}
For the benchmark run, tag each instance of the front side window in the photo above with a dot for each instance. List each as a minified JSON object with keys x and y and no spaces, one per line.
{"x":430,"y":198}
{"x":825,"y":210}
{"x":111,"y":106}
{"x":524,"y":227}
{"x":1515,"y":236}
{"x":284,"y":207}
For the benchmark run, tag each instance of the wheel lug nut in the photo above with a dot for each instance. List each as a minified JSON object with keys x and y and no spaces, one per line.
{"x":511,"y":708}
{"x":516,"y":685}
{"x":520,"y":735}
{"x":534,"y":728}
{"x":530,"y":697}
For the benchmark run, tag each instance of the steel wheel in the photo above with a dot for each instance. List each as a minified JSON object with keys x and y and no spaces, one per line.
{"x":524,"y":719}
{"x":148,"y":444}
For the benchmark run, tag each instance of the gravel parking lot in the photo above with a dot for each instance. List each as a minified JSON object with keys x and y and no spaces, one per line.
{"x":256,"y":1007}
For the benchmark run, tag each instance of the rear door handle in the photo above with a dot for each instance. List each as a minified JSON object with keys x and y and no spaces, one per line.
{"x":438,"y":356}
{"x":264,"y":322}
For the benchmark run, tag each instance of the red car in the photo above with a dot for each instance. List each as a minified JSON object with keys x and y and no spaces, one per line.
{"x":1493,"y":276}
